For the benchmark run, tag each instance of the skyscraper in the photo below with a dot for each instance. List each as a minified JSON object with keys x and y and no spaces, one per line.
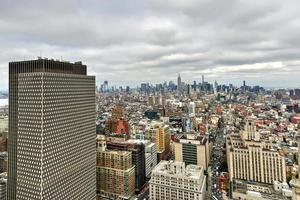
{"x":51,"y":131}
{"x":179,"y":83}
{"x":244,"y":85}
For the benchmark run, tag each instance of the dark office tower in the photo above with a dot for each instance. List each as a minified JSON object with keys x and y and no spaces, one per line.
{"x":244,"y":86}
{"x":202,"y":79}
{"x":127,"y":88}
{"x":291,"y":93}
{"x":51,"y":151}
{"x":195,"y":86}
{"x":189,"y":89}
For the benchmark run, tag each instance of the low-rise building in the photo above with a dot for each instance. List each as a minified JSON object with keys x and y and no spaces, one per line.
{"x":175,"y":180}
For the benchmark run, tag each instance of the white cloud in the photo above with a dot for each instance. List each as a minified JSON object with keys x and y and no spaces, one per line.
{"x":154,"y":40}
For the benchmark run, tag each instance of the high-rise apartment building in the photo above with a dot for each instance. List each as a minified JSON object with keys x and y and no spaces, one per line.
{"x":158,"y":133}
{"x":137,"y":150}
{"x":115,"y":172}
{"x":51,"y":152}
{"x":162,"y":141}
{"x":175,"y":180}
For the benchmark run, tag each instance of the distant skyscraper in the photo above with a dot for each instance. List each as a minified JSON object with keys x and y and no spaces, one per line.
{"x":202,"y":79}
{"x":51,"y":144}
{"x":144,"y":87}
{"x":127,"y":88}
{"x":104,"y":87}
{"x":179,"y":83}
{"x":192,"y":109}
{"x":216,"y":87}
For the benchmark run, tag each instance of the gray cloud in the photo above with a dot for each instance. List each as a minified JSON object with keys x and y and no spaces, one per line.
{"x":153,"y":40}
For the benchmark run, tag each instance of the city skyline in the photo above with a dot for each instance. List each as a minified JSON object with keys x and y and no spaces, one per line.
{"x":112,"y":87}
{"x":149,"y":100}
{"x":229,"y":42}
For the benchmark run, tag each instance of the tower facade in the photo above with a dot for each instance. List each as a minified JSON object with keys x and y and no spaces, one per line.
{"x":51,"y":131}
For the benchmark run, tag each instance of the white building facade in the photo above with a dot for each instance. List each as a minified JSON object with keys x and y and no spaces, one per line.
{"x":174,"y":180}
{"x":254,"y":159}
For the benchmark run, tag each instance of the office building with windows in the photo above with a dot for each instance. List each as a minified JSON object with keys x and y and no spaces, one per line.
{"x":175,"y":180}
{"x":51,"y":152}
{"x":192,"y":149}
{"x":115,"y":172}
{"x":253,"y":159}
{"x":137,"y":150}
{"x":150,"y":154}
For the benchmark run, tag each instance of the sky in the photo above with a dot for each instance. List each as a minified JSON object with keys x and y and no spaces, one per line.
{"x":131,"y":41}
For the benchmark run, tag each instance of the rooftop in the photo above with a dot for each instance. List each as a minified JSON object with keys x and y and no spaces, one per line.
{"x":179,"y":169}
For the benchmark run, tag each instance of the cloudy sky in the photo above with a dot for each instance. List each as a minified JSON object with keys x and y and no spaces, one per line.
{"x":131,"y":41}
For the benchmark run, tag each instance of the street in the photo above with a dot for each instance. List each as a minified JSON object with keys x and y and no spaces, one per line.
{"x":217,"y":157}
